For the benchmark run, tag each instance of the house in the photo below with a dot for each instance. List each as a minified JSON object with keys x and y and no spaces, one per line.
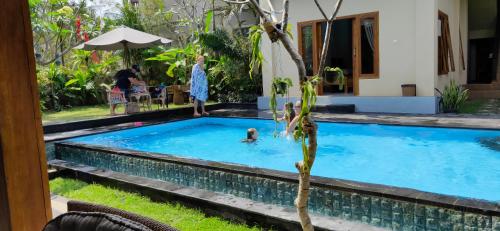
{"x":384,"y":44}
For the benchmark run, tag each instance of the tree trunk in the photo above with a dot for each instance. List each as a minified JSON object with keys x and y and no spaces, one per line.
{"x":301,"y":202}
{"x":326,"y":46}
{"x":294,"y":54}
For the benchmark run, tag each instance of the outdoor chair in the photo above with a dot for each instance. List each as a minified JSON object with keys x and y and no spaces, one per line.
{"x":84,"y":216}
{"x":161,"y":98}
{"x":115,"y":98}
{"x":140,"y":92}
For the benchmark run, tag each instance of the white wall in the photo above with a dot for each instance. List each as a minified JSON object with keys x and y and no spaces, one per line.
{"x":457,"y":14}
{"x":399,"y":37}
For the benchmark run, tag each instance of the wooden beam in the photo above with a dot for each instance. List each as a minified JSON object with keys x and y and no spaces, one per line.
{"x":24,"y":192}
{"x":449,"y":45}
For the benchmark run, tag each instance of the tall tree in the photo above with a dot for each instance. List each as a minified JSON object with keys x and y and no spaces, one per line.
{"x":276,"y":29}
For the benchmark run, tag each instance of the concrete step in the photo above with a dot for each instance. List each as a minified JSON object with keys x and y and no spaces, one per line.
{"x":478,"y":86}
{"x":484,"y":94}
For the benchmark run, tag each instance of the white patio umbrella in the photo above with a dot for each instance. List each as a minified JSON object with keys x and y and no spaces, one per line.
{"x":123,"y":38}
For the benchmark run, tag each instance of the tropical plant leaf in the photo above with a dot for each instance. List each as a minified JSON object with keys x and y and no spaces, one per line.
{"x":71,"y":82}
{"x":208,"y":20}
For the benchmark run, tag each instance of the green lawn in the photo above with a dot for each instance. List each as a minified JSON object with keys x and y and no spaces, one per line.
{"x":175,"y":215}
{"x":91,"y":112}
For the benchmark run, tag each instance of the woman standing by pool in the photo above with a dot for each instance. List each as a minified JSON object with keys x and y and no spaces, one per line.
{"x":199,"y":86}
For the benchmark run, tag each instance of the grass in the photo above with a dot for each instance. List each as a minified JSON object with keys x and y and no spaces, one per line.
{"x":175,"y":215}
{"x":91,"y":112}
{"x":472,"y":106}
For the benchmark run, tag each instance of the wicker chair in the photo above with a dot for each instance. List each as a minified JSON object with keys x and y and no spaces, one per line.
{"x":93,"y":221}
{"x":114,"y":98}
{"x":79,"y":206}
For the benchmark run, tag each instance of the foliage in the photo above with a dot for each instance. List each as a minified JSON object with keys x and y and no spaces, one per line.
{"x":228,"y":76}
{"x":221,"y":43}
{"x":175,"y":215}
{"x":189,"y":19}
{"x":51,"y":82}
{"x":229,"y":82}
{"x":257,"y":57}
{"x":179,"y":61}
{"x":453,"y":97}
{"x":280,"y":86}
{"x":208,"y":20}
{"x":57,"y":27}
{"x":156,"y":18}
{"x":130,"y":16}
{"x":84,"y":77}
{"x":308,"y":102}
{"x":80,"y":77}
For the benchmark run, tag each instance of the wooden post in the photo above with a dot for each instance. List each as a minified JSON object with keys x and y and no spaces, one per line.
{"x":24,"y":192}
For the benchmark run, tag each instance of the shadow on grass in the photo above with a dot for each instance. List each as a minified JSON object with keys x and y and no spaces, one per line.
{"x":63,"y":187}
{"x":173,"y":214}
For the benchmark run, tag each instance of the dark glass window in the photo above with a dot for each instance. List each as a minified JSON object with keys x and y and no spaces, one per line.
{"x":307,"y":48}
{"x":368,"y":45}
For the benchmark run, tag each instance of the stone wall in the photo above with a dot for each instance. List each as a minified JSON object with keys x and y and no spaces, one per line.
{"x":374,"y":210}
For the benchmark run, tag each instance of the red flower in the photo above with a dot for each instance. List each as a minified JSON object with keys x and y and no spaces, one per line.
{"x":78,"y":24}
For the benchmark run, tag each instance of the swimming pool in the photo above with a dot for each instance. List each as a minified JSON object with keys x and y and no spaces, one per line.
{"x":459,"y":162}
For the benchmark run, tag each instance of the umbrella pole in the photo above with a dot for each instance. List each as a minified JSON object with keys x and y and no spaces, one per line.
{"x":126,"y":55}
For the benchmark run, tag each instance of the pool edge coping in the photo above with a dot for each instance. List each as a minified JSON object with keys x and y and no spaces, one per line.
{"x":398,"y":193}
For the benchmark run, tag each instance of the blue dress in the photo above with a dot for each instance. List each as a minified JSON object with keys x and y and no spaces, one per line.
{"x":199,"y":83}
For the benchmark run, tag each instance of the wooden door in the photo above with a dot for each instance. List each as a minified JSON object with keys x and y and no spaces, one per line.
{"x":356,"y":64}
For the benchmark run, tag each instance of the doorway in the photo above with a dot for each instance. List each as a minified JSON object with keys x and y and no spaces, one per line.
{"x":340,"y":54}
{"x":483,"y":41}
{"x":481,"y":60}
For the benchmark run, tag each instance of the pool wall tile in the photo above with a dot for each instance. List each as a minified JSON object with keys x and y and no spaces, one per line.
{"x":495,"y":223}
{"x":375,"y":210}
{"x":366,"y":209}
{"x":50,"y":151}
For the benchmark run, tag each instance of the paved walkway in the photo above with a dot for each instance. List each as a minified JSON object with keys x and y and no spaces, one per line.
{"x":59,"y":205}
{"x":491,"y":107}
{"x":441,"y":120}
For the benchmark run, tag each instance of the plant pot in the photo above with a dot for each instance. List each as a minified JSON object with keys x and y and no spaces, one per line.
{"x":409,"y":89}
{"x":178,"y":98}
{"x":281,"y":88}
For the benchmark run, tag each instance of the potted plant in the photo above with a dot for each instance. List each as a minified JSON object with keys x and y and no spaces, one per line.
{"x":453,"y":97}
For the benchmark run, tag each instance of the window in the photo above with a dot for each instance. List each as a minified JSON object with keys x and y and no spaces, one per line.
{"x":367,"y":45}
{"x":446,"y":61}
{"x":307,"y":48}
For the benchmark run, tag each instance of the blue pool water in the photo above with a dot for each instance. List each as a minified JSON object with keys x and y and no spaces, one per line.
{"x":459,"y":162}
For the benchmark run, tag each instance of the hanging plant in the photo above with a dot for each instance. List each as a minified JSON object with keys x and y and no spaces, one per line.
{"x":339,"y":75}
{"x":280,"y":86}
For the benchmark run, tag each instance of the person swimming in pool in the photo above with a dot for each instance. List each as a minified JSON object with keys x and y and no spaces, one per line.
{"x":293,"y":124}
{"x":252,"y":136}
{"x":288,"y":113}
